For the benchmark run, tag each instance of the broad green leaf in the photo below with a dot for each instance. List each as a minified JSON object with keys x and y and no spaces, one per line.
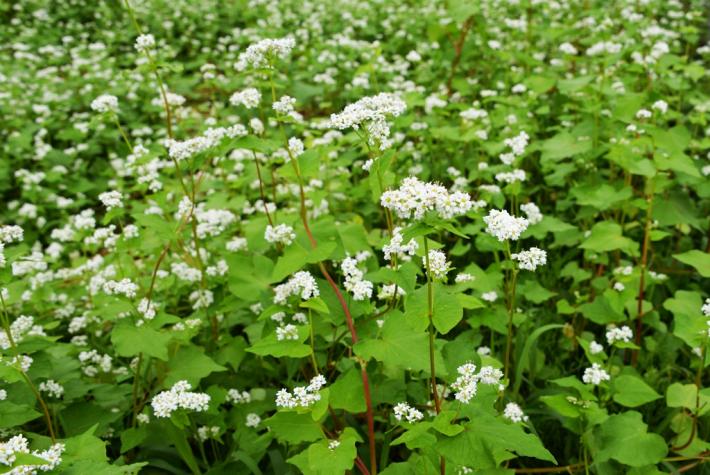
{"x":607,"y":236}
{"x":191,"y":364}
{"x":624,"y":438}
{"x":696,"y":259}
{"x":487,"y":441}
{"x":399,"y":346}
{"x":347,"y":392}
{"x":632,"y":391}
{"x":292,"y":427}
{"x":271,"y":346}
{"x":447,"y":310}
{"x":320,"y":459}
{"x":12,"y":414}
{"x":130,"y":340}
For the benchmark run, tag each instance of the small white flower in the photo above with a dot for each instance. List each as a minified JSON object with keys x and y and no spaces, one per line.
{"x":248,"y":98}
{"x":615,"y":334}
{"x":595,"y":348}
{"x":404,"y":411}
{"x":514,"y":413}
{"x":105,"y":103}
{"x":595,"y":375}
{"x":438,"y":265}
{"x":253,"y":420}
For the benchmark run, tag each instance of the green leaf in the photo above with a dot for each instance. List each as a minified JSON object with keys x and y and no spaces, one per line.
{"x":623,"y":437}
{"x":191,"y":364}
{"x":293,"y":428}
{"x":319,"y":459}
{"x":130,"y":340}
{"x":399,"y":346}
{"x":607,"y":236}
{"x":631,"y":391}
{"x":487,"y":441}
{"x":686,"y":395}
{"x":270,"y":346}
{"x":699,"y":260}
{"x":689,"y":324}
{"x":12,"y":414}
{"x":178,"y":438}
{"x":524,"y":358}
{"x":447,"y":309}
{"x":347,"y":392}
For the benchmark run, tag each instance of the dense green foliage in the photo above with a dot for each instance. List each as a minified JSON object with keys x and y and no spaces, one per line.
{"x":200,"y":275}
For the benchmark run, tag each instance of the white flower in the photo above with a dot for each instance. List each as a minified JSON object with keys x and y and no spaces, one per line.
{"x":595,"y":375}
{"x":333,"y":444}
{"x":464,"y":277}
{"x":438,"y":266}
{"x":238,"y":397}
{"x":661,"y":106}
{"x":284,"y":105}
{"x":513,"y":412}
{"x":295,"y":146}
{"x":253,"y":420}
{"x":11,"y":233}
{"x":280,"y":234}
{"x":615,"y":334}
{"x":530,"y":259}
{"x":511,"y":177}
{"x":52,"y":388}
{"x":302,"y":396}
{"x":388,"y":292}
{"x":483,"y":350}
{"x":370,"y":112}
{"x":466,"y":384}
{"x":396,"y":249}
{"x":595,"y":348}
{"x":403,"y":410}
{"x":354,"y":277}
{"x":491,"y":296}
{"x":105,"y":103}
{"x":503,"y":226}
{"x":111,"y":199}
{"x":532,"y":212}
{"x":248,"y":98}
{"x":287,"y":332}
{"x":619,"y":287}
{"x":568,"y":48}
{"x":17,"y":445}
{"x":145,"y":42}
{"x":201,"y":298}
{"x":518,"y":143}
{"x":706,"y":308}
{"x":301,"y":283}
{"x":261,"y":54}
{"x":643,"y":114}
{"x":122,"y":287}
{"x":415,"y":198}
{"x":179,"y":397}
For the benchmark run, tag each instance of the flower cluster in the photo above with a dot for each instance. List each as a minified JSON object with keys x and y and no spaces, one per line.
{"x":302,"y":396}
{"x":404,"y":411}
{"x":105,"y":103}
{"x":438,"y":265}
{"x":595,"y":375}
{"x":249,"y":98}
{"x":371,"y":112}
{"x":111,"y":199}
{"x":145,"y":43}
{"x":615,"y":334}
{"x":395,"y":248}
{"x":530,"y":259}
{"x":302,"y":283}
{"x":354,"y":277}
{"x":514,"y":413}
{"x":17,"y":445}
{"x":179,"y":397}
{"x":466,"y":384}
{"x":503,"y":226}
{"x":282,"y":234}
{"x":261,"y":54}
{"x":415,"y":198}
